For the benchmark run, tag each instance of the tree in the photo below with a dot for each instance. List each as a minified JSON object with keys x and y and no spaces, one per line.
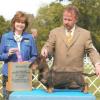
{"x":4,"y":25}
{"x":48,"y":17}
{"x":90,"y":17}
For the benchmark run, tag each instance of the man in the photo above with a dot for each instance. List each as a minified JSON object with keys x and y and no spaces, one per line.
{"x":34,"y":33}
{"x":68,"y":49}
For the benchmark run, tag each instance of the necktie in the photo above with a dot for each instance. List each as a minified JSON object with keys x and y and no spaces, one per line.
{"x":69,"y":38}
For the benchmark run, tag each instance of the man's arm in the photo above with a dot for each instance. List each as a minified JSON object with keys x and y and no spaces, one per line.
{"x":93,"y":54}
{"x":49,"y":45}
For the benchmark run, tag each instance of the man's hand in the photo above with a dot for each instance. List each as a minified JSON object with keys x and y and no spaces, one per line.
{"x":44,"y":52}
{"x":97,"y":68}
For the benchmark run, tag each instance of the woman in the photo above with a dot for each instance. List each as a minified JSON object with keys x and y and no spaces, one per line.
{"x":17,"y":45}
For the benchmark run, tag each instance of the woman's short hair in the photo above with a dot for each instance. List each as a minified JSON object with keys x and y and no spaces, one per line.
{"x":19,"y":17}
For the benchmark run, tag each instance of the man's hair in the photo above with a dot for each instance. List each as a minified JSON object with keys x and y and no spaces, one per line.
{"x":72,"y":9}
{"x":19,"y":17}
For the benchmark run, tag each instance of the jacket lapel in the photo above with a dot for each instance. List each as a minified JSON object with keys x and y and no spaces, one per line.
{"x":74,"y":39}
{"x":76,"y":35}
{"x":63,"y":35}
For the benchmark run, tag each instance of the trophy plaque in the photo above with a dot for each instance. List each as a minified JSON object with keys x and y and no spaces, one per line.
{"x":19,"y":76}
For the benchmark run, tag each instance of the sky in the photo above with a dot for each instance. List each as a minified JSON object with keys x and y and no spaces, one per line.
{"x":9,"y":7}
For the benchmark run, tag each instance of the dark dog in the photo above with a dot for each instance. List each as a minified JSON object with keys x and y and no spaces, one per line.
{"x":40,"y":64}
{"x":51,"y":79}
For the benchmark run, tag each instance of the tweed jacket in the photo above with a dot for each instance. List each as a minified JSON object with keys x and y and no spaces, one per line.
{"x":70,"y":58}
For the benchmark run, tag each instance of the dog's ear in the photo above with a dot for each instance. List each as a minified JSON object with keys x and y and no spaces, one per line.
{"x":42,"y":59}
{"x":31,"y":64}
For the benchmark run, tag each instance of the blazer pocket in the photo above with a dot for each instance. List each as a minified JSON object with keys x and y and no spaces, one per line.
{"x":27,"y":48}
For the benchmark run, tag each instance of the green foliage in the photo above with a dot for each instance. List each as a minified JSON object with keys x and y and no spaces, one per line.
{"x":90,"y":17}
{"x":96,"y":39}
{"x":30,"y":21}
{"x":49,"y":17}
{"x":4,"y":25}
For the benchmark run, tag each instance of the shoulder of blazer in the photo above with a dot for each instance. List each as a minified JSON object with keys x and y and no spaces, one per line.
{"x":28,"y":35}
{"x":81,"y":29}
{"x":8,"y":35}
{"x":57,"y":30}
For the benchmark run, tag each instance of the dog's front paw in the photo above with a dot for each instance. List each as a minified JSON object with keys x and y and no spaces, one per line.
{"x":50,"y":89}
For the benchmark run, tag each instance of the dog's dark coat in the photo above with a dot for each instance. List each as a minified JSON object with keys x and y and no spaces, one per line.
{"x":49,"y":78}
{"x":43,"y":69}
{"x":57,"y":79}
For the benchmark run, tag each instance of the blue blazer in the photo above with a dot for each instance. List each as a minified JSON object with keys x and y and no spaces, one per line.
{"x":27,"y":47}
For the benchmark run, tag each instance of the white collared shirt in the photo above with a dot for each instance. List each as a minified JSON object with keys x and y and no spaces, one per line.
{"x":72,"y":31}
{"x":18,"y":42}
